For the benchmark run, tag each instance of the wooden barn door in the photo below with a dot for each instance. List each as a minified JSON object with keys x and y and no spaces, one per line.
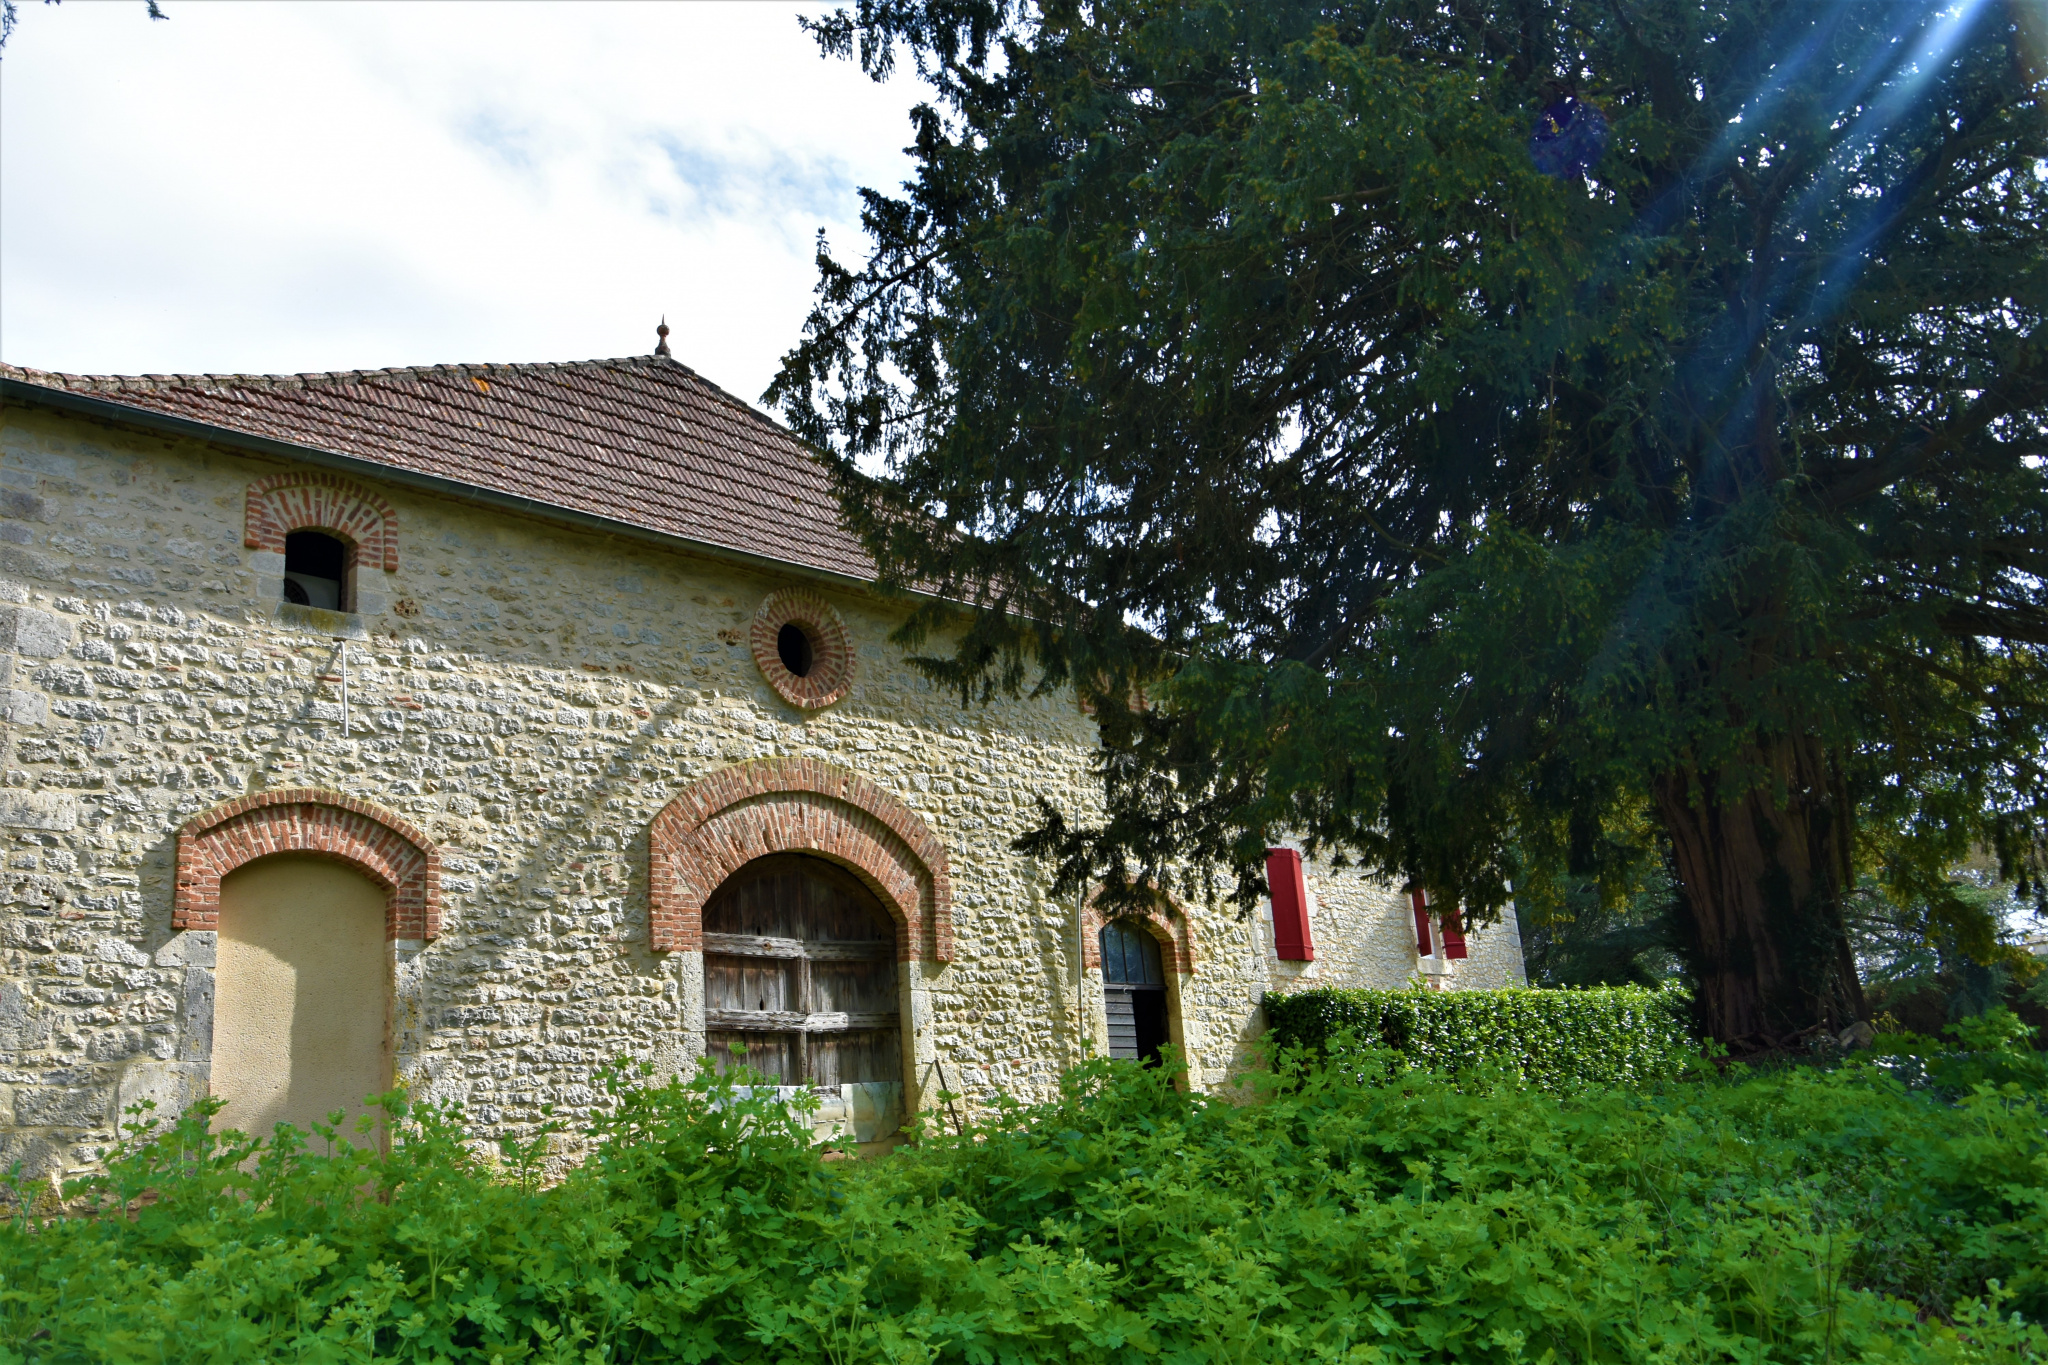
{"x":800,"y":971}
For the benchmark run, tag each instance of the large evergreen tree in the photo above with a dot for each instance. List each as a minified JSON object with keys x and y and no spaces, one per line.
{"x":1491,"y":523}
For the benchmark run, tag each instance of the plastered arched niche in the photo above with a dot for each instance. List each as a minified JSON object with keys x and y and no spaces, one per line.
{"x":302,"y":1004}
{"x":387,"y":851}
{"x":717,"y":825}
{"x":1168,"y":923}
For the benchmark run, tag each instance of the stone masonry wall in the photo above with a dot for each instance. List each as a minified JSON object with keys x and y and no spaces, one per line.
{"x":529,"y":696}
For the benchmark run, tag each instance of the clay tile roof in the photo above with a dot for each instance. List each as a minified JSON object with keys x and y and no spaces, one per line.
{"x":641,"y":440}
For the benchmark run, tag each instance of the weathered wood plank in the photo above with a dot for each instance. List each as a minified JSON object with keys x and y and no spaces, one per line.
{"x":762,"y":945}
{"x":794,"y":1021}
{"x":856,"y":1055}
{"x":779,"y":1055}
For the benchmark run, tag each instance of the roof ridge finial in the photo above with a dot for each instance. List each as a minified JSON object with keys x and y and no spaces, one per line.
{"x":661,"y":346}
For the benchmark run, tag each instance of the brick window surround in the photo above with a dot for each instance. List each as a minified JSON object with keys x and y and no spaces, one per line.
{"x":377,"y":843}
{"x":1168,"y":923}
{"x":717,"y":825}
{"x":275,"y":507}
{"x":832,"y":660}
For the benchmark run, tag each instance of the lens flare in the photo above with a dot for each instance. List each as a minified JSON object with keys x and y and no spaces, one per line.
{"x":2030,"y":23}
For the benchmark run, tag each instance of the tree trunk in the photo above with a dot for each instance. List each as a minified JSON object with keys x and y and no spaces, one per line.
{"x":1761,"y":879}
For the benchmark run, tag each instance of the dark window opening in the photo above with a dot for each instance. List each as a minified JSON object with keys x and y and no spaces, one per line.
{"x":793,"y":646}
{"x":1134,"y":993}
{"x":316,"y":570}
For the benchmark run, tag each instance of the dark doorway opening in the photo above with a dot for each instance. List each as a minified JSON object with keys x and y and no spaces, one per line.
{"x":316,"y":570}
{"x":1133,"y":993}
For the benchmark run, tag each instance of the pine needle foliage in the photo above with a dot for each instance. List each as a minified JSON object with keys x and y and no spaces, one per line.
{"x":1238,"y":365}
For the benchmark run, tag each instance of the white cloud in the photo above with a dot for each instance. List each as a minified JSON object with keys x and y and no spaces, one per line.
{"x":276,"y":188}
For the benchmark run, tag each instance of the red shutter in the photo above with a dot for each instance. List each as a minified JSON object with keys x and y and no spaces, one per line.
{"x":1454,"y":933}
{"x":1290,"y":906}
{"x":1419,"y":898}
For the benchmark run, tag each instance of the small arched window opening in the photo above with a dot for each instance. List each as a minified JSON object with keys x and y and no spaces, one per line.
{"x":316,"y":570}
{"x":793,"y":647}
{"x":1134,"y":992}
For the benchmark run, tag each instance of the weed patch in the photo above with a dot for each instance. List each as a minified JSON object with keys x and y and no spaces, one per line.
{"x":1368,"y":1213}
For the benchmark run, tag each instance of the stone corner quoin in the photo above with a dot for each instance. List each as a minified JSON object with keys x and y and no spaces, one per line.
{"x":548,"y":744}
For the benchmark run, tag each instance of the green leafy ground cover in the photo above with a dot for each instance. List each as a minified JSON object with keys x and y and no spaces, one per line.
{"x":1375,"y":1215}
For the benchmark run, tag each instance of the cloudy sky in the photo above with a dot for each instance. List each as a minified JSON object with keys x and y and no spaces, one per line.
{"x":276,"y":188}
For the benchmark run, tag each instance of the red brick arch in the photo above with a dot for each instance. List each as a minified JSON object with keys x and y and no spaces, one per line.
{"x":716,"y":826}
{"x":276,"y":506}
{"x":1166,"y":922}
{"x":377,"y":843}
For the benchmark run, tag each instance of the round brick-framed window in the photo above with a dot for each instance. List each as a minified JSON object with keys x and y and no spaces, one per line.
{"x":802,"y":648}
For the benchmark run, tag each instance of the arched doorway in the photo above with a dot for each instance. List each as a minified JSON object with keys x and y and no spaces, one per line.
{"x":1134,"y":992}
{"x":800,"y":972}
{"x":302,"y":989}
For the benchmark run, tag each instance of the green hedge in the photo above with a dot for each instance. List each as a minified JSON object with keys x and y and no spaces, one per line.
{"x":1559,"y":1041}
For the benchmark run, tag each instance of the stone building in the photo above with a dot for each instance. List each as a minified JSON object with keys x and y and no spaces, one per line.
{"x":477,"y":725}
